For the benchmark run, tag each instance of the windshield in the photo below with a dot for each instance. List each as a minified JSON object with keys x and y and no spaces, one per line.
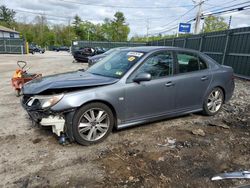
{"x":116,"y":64}
{"x":110,"y":51}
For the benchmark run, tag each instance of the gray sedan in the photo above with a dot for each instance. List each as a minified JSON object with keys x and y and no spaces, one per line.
{"x":129,"y":87}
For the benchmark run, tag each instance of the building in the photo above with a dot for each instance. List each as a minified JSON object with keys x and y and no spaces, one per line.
{"x":8,"y":33}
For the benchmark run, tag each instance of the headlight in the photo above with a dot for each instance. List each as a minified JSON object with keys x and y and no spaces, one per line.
{"x":45,"y":101}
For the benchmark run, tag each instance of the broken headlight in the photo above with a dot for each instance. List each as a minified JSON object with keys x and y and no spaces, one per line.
{"x":45,"y":101}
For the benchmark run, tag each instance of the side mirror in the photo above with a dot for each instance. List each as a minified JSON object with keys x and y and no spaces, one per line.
{"x":142,"y":77}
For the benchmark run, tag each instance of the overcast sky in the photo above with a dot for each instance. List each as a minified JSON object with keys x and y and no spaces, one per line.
{"x":61,"y":11}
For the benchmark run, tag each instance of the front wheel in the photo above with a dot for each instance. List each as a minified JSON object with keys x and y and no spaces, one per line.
{"x":92,"y":123}
{"x":213,"y":102}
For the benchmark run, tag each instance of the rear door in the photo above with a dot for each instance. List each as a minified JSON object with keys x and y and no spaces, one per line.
{"x":155,"y":97}
{"x":191,"y":80}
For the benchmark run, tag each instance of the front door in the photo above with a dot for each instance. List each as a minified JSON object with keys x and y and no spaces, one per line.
{"x":155,"y":97}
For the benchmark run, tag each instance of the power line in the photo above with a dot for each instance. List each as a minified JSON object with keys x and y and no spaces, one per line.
{"x":169,"y":23}
{"x":230,"y":6}
{"x":37,"y":13}
{"x":123,"y":7}
{"x":219,"y":5}
{"x":246,"y":7}
{"x":237,"y":9}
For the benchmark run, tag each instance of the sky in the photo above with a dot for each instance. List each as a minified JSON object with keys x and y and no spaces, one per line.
{"x":156,"y":15}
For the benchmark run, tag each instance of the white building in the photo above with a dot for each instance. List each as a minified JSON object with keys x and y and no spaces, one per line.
{"x":8,"y":33}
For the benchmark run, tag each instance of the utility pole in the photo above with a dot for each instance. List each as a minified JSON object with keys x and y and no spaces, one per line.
{"x":69,"y":29}
{"x":198,"y":17}
{"x":147,"y":28}
{"x":229,"y":22}
{"x":42,"y":28}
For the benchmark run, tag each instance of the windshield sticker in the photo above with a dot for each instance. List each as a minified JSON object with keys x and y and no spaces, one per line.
{"x":132,"y":58}
{"x":118,"y":73}
{"x":137,"y":54}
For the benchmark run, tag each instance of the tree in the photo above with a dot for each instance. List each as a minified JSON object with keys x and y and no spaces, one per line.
{"x":77,"y":26}
{"x":116,"y":29}
{"x":40,"y":32}
{"x":120,"y":28}
{"x":213,"y":23}
{"x":7,"y":16}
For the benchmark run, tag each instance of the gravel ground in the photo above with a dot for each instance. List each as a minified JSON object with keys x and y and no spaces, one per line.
{"x":179,"y":152}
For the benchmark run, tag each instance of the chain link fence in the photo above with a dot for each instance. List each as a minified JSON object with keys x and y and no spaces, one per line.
{"x":12,"y":46}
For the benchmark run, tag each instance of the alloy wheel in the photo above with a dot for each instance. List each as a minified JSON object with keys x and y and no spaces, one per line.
{"x":93,"y":124}
{"x":215,"y":100}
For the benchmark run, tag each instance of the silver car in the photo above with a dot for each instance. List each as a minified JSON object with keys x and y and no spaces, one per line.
{"x":130,"y":87}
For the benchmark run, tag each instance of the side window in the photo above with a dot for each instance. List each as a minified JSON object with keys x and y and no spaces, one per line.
{"x":159,"y":65}
{"x":189,"y":63}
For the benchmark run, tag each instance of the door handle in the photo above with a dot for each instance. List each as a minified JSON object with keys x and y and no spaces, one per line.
{"x":203,"y":78}
{"x":169,"y":84}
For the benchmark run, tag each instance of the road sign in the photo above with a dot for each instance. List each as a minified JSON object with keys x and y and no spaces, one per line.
{"x":185,"y":27}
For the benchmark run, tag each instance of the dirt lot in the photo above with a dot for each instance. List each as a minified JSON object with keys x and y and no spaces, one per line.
{"x":162,"y":154}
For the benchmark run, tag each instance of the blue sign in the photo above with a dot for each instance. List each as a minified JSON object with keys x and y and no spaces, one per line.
{"x":185,"y":27}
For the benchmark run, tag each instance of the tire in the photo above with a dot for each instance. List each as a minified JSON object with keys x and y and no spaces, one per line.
{"x":212,"y":104}
{"x":87,"y":131}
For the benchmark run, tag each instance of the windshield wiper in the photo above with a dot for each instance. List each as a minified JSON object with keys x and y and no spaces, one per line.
{"x":103,"y":75}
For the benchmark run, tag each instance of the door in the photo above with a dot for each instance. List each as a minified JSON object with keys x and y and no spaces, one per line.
{"x":191,"y":81}
{"x":155,"y":97}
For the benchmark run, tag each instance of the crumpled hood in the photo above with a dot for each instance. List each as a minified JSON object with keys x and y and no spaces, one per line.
{"x":74,"y":79}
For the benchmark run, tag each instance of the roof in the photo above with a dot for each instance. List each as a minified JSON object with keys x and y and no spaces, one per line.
{"x":150,"y":48}
{"x":2,"y":28}
{"x":147,"y":49}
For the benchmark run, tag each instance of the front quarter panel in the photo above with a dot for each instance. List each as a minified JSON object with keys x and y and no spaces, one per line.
{"x":111,"y":94}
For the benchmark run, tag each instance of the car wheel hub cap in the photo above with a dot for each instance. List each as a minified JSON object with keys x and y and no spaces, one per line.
{"x":214,"y":101}
{"x":93,"y":124}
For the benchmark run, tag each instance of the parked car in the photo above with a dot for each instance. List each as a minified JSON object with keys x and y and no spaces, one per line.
{"x":84,"y":54}
{"x":94,"y":59}
{"x":61,"y":48}
{"x":130,"y":87}
{"x":35,"y":48}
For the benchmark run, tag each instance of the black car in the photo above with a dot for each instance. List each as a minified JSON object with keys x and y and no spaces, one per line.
{"x":35,"y":48}
{"x":92,"y":60}
{"x":84,"y":54}
{"x":61,"y":48}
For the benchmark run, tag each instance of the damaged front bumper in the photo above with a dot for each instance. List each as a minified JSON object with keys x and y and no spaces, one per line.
{"x":61,"y":122}
{"x":57,"y":123}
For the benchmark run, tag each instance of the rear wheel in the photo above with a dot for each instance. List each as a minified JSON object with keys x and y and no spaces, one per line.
{"x":213,"y":102}
{"x":92,"y":123}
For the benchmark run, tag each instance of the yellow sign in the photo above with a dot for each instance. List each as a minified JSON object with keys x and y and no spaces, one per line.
{"x":131,"y":58}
